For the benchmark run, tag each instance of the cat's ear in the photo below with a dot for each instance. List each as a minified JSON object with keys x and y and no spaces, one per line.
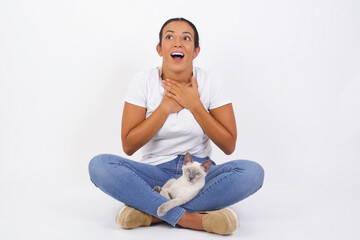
{"x":206,"y":165}
{"x":187,"y":159}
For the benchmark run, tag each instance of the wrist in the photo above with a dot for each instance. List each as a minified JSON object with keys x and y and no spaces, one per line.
{"x":196,"y":107}
{"x":164,"y":109}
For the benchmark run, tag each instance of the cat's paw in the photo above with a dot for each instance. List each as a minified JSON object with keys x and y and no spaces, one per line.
{"x":157,"y":189}
{"x":161,"y":211}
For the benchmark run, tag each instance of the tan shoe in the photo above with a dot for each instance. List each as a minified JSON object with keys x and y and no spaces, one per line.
{"x":223,"y":221}
{"x":129,"y":218}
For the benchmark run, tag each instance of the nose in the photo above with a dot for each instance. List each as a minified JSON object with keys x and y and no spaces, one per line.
{"x":177,"y":42}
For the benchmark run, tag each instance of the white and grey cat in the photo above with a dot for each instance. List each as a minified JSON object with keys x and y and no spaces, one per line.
{"x":182,"y":190}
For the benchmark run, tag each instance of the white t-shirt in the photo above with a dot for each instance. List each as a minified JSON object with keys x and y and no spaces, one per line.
{"x":180,"y":133}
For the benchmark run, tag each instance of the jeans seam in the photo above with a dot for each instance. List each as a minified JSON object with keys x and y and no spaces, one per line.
{"x":234,"y":166}
{"x":178,"y":166}
{"x":126,"y":165}
{"x":178,"y":217}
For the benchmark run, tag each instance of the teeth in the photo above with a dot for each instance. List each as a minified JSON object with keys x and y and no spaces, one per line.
{"x":177,"y":54}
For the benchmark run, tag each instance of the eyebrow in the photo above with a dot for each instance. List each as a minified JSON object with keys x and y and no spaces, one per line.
{"x":182,"y":33}
{"x":187,"y":33}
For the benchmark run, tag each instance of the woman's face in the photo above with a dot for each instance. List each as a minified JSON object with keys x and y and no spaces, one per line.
{"x":177,"y":46}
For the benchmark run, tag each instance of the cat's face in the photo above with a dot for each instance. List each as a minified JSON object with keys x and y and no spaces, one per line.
{"x":193,"y":172}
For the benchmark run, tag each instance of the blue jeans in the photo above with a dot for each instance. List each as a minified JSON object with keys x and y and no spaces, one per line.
{"x":132,"y":183}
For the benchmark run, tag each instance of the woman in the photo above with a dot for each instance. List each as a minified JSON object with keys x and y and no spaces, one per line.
{"x":169,"y":111}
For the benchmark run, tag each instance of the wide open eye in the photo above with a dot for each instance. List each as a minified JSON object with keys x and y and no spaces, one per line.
{"x":169,"y":37}
{"x":186,"y":38}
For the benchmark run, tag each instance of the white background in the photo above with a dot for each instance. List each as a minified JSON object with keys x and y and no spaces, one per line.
{"x":292,"y":69}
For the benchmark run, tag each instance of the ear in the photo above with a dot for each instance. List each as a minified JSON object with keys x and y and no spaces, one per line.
{"x":196,"y":52}
{"x":187,"y":158}
{"x":206,"y":165}
{"x":159,"y":50}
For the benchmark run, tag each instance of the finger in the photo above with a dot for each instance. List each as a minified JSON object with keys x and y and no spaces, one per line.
{"x":171,"y":95}
{"x":169,"y":85}
{"x":164,"y":85}
{"x":169,"y":88}
{"x":172,"y":82}
{"x":173,"y":89}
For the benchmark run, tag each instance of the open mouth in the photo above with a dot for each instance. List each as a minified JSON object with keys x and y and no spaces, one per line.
{"x":177,"y":55}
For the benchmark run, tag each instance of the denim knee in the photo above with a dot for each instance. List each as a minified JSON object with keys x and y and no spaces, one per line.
{"x":96,"y":168}
{"x":254,"y":173}
{"x":257,"y":172}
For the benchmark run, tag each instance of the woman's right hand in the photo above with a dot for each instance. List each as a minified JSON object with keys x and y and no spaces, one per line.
{"x":171,"y":105}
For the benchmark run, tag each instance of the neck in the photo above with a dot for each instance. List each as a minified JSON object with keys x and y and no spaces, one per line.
{"x":182,"y":77}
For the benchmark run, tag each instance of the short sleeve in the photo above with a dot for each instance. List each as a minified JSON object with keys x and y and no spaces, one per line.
{"x":137,"y":90}
{"x":218,"y":94}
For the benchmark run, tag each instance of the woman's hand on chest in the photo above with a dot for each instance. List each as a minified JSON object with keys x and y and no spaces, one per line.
{"x":187,"y":95}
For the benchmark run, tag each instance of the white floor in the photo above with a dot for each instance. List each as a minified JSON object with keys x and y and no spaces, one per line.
{"x":87,"y":213}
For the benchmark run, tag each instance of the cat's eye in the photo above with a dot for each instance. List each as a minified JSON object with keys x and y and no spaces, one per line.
{"x":198,"y":174}
{"x":187,"y":170}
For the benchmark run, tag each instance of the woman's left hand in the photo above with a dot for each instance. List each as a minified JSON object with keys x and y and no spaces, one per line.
{"x":187,"y":95}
